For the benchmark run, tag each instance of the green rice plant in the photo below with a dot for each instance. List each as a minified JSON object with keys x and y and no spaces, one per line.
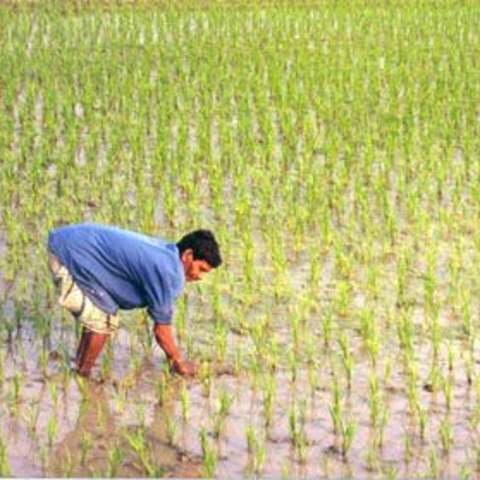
{"x":107,"y":361}
{"x":372,"y":458}
{"x":405,"y":333}
{"x":408,"y":447}
{"x":44,"y":455}
{"x":53,"y":393}
{"x":292,"y":365}
{"x":221,"y":340}
{"x":435,"y":378}
{"x":450,"y":355}
{"x":68,"y":465}
{"x":269,"y":388}
{"x":102,"y":411}
{"x":297,"y":430}
{"x":436,"y":337}
{"x":348,"y":430}
{"x":31,"y":413}
{"x":430,"y":281}
{"x":477,"y":458}
{"x":313,"y":379}
{"x":392,"y":472}
{"x":467,"y":359}
{"x":172,"y":429}
{"x":447,"y":387}
{"x":259,"y":334}
{"x":139,"y":444}
{"x":119,"y":396}
{"x":185,"y":403}
{"x":375,"y":401}
{"x":465,"y":471}
{"x":343,"y":298}
{"x":85,"y":444}
{"x":422,"y":422}
{"x":256,"y":450}
{"x":412,"y":380}
{"x":404,"y":266}
{"x":336,"y":407}
{"x":387,"y":371}
{"x":162,"y":388}
{"x":52,"y":429}
{"x":43,"y":358}
{"x":17,"y":384}
{"x":5,"y":469}
{"x":224,"y":403}
{"x":207,"y":378}
{"x":434,"y":468}
{"x":295,"y":322}
{"x":82,"y":387}
{"x":370,"y":333}
{"x":140,"y":415}
{"x":348,"y":361}
{"x":446,"y":435}
{"x":115,"y":461}
{"x":327,"y":324}
{"x":209,"y":455}
{"x":466,"y":314}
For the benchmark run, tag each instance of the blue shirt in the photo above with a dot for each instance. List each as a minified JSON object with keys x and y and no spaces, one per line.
{"x":116,"y":268}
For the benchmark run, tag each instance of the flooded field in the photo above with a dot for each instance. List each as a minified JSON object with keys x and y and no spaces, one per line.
{"x":333,"y":149}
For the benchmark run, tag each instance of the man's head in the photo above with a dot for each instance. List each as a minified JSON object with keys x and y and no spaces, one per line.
{"x":199,"y":253}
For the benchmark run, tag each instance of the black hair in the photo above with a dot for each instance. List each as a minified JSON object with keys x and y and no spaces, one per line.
{"x":204,"y":247}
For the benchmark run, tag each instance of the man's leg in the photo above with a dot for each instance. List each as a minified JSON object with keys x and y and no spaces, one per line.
{"x":90,"y":347}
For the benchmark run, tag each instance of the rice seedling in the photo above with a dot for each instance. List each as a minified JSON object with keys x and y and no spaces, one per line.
{"x":68,"y":466}
{"x":422,"y":422}
{"x":434,"y":468}
{"x":447,"y":387}
{"x":172,"y":429}
{"x":297,"y":424}
{"x":224,"y":403}
{"x":5,"y":470}
{"x":85,"y":444}
{"x":209,"y":456}
{"x":348,"y":430}
{"x":269,"y":388}
{"x":140,"y":447}
{"x":52,"y":429}
{"x":17,"y":385}
{"x":465,"y":471}
{"x":185,"y":403}
{"x":53,"y":394}
{"x":256,"y":450}
{"x":115,"y":461}
{"x":446,"y":435}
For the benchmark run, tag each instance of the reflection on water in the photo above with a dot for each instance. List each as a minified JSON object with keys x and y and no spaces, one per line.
{"x":103,"y":445}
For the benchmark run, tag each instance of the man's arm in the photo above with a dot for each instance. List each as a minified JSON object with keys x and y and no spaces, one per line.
{"x":164,"y":338}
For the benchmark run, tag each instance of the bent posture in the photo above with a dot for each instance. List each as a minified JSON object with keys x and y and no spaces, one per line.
{"x":100,"y":270}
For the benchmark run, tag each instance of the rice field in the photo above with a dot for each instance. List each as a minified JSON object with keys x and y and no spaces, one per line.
{"x":334,"y":150}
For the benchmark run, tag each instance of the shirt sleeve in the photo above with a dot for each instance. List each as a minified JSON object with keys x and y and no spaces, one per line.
{"x":160,"y":296}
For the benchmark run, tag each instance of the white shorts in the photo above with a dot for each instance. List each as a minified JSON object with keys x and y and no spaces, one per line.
{"x":76,"y":302}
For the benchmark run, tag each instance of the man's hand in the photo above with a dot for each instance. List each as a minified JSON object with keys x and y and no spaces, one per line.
{"x":185,"y":368}
{"x":164,"y":337}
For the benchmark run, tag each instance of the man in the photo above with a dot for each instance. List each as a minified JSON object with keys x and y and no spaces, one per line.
{"x":101,"y":269}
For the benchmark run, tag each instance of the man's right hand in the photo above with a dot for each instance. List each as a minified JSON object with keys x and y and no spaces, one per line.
{"x":185,"y":368}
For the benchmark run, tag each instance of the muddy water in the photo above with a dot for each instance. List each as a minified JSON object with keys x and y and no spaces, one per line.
{"x":55,"y":426}
{"x":125,"y":403}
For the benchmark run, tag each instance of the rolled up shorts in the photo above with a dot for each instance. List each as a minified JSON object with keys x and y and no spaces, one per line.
{"x":75,"y":301}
